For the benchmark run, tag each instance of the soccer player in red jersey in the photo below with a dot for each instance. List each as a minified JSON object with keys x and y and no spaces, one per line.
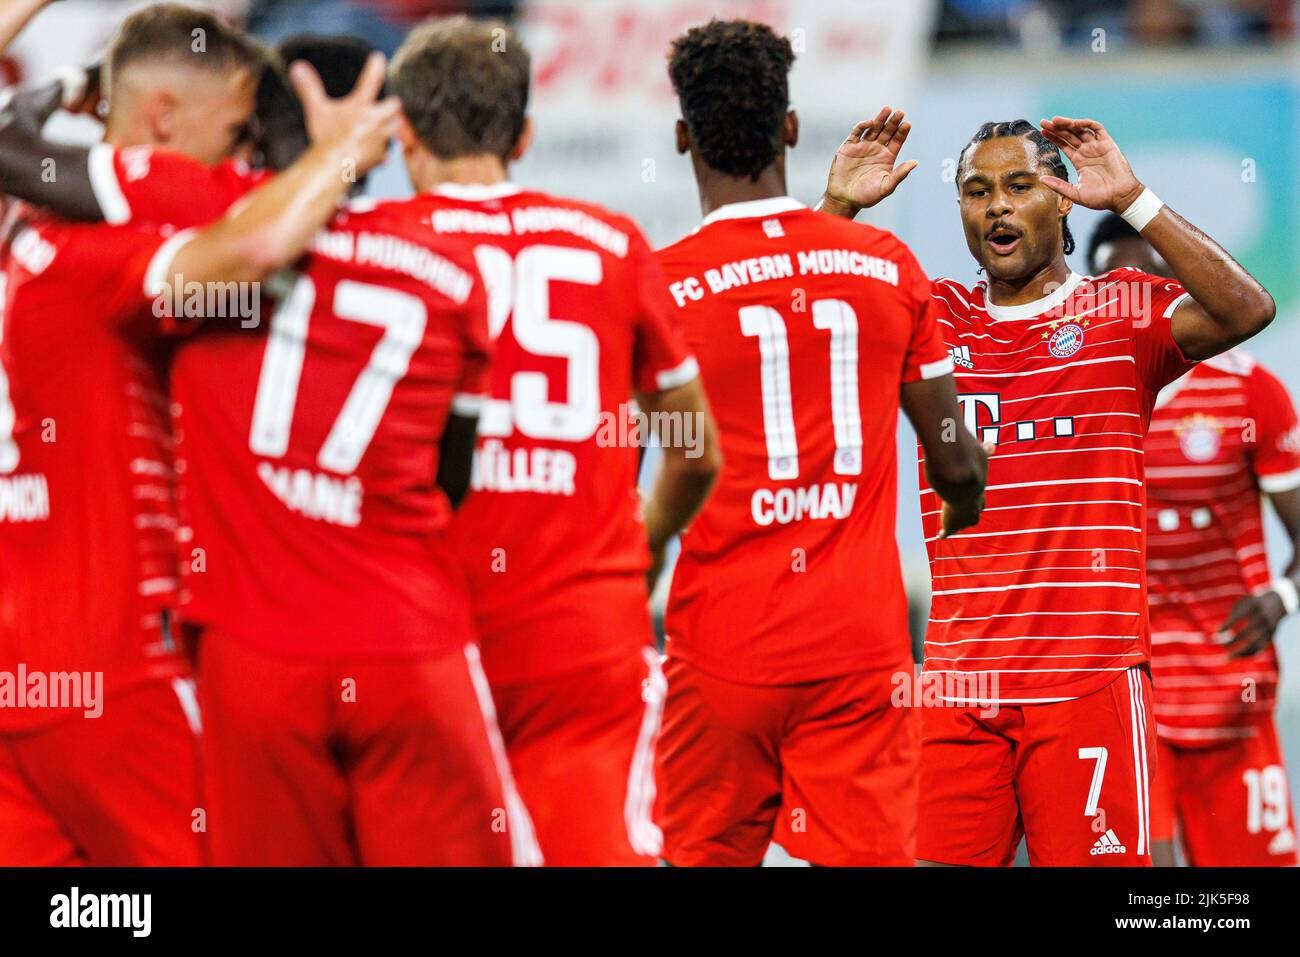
{"x":552,"y":538}
{"x":787,"y":621}
{"x":87,"y":527}
{"x":1219,"y":437}
{"x":319,"y":466}
{"x":86,"y":521}
{"x":1039,"y":631}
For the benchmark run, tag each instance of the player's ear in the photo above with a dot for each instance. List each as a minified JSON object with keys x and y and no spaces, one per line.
{"x":161,"y":113}
{"x":790,"y":134}
{"x":1063,"y":205}
{"x":683,"y":138}
{"x":524,"y":142}
{"x":406,"y":137}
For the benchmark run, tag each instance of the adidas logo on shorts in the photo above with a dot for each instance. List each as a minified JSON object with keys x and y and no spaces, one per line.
{"x":1108,"y":843}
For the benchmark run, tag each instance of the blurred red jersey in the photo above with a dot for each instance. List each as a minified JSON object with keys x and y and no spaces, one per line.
{"x":311,"y":520}
{"x":806,"y":327}
{"x":87,"y":560}
{"x":308,"y":456}
{"x":1045,"y":599}
{"x":1219,"y":436}
{"x":551,"y":533}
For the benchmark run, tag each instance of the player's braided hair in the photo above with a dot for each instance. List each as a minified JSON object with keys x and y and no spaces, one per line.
{"x":1047,"y":154}
{"x":732,"y":78}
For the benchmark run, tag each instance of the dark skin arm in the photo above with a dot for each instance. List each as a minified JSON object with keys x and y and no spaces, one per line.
{"x":686,"y":473}
{"x":456,"y":457}
{"x":26,"y":156}
{"x":1254,"y":619}
{"x":27,"y":159}
{"x":955,"y":464}
{"x":1227,"y":304}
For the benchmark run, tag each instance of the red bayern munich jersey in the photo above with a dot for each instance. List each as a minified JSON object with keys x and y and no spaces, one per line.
{"x":1219,"y":436}
{"x":308,"y":456}
{"x":87,"y":520}
{"x":806,"y":327}
{"x":313,"y":524}
{"x":551,"y":536}
{"x":1045,"y":599}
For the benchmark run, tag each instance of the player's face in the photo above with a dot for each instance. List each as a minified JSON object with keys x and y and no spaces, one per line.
{"x":1012,"y":221}
{"x":1129,"y":251}
{"x":212,"y":115}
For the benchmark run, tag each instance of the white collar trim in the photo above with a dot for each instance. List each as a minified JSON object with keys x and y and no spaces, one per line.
{"x":753,"y":209}
{"x":1032,"y":310}
{"x":477,"y":192}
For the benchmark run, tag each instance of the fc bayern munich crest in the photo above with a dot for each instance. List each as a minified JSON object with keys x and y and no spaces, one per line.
{"x":1200,"y":438}
{"x":1065,"y":340}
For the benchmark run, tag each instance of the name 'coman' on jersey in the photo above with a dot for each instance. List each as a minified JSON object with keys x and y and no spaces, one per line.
{"x":1046,"y":598}
{"x":551,"y":535}
{"x":806,"y":328}
{"x":1219,"y":436}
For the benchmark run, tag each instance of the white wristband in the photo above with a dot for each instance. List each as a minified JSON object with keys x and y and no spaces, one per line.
{"x":1143,"y":210}
{"x":1285,"y":589}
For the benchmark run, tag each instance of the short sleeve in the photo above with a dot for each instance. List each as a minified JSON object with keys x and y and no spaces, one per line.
{"x":1152,"y":301}
{"x":661,"y":359}
{"x":142,"y":184}
{"x":928,"y":356}
{"x":1275,"y":457}
{"x":475,"y":380}
{"x":133,"y":287}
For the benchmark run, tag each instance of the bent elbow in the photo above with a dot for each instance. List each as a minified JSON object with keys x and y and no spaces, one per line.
{"x":1263,"y":313}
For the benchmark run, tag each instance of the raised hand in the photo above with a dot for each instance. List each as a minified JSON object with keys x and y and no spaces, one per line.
{"x":358,"y":125}
{"x":1106,"y":181}
{"x":864,"y":171}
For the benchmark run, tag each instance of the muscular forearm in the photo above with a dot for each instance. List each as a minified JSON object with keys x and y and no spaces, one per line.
{"x":272,"y":226}
{"x":1235,"y":305}
{"x":688,"y":471}
{"x":34,"y":169}
{"x":1287,"y":506}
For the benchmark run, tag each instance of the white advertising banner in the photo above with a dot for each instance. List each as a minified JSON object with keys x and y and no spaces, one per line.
{"x":604,"y":108}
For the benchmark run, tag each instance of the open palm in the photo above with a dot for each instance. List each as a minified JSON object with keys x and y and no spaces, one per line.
{"x":1106,"y":181}
{"x":863,"y":171}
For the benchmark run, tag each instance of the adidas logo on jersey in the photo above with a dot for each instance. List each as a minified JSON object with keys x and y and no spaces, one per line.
{"x":1108,"y":843}
{"x":961,"y":356}
{"x":773,"y":228}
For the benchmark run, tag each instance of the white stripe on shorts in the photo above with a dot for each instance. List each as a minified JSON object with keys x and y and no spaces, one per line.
{"x":1138,"y":721}
{"x":524,"y":850}
{"x":642,"y":833}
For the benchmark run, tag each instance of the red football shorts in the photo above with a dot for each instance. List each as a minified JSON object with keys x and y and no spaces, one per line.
{"x":1230,"y":799}
{"x":581,"y":746}
{"x":827,"y":769}
{"x":118,"y":790}
{"x":371,"y":761}
{"x":1071,"y":777}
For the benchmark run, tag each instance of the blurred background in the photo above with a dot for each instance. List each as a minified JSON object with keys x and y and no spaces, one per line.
{"x":1202,"y":95}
